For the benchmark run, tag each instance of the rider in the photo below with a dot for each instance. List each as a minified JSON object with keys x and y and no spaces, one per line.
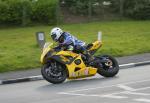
{"x":70,"y":42}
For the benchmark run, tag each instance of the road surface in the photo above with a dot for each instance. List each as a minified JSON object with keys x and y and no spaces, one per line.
{"x":131,"y":85}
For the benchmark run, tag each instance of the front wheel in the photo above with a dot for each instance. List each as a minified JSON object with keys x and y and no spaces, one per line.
{"x":108,"y":66}
{"x":54,"y":72}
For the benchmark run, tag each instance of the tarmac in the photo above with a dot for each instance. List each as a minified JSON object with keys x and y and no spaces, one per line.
{"x":130,"y":85}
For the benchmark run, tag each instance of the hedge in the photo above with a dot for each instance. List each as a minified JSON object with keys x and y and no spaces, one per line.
{"x":137,"y":9}
{"x":45,"y":11}
{"x":24,"y":12}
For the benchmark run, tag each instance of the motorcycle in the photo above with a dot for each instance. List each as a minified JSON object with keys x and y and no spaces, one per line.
{"x":59,"y":65}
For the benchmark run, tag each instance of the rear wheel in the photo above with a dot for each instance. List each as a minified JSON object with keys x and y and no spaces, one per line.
{"x":108,"y":67}
{"x":54,"y":72}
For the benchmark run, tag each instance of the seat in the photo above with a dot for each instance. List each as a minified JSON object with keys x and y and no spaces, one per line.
{"x":89,"y":46}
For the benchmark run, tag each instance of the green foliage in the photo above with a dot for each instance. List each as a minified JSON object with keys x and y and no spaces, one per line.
{"x":85,"y":7}
{"x":45,"y":11}
{"x":4,"y":16}
{"x":12,"y":11}
{"x":77,"y":6}
{"x":26,"y":12}
{"x":137,"y":9}
{"x":23,"y":12}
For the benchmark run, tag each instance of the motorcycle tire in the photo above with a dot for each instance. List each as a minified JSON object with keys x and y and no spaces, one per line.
{"x":107,"y":71}
{"x":47,"y":75}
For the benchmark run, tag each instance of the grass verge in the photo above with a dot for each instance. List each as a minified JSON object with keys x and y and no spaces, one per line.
{"x":18,"y":48}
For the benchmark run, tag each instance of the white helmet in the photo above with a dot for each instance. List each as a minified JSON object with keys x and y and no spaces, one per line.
{"x":56,"y":33}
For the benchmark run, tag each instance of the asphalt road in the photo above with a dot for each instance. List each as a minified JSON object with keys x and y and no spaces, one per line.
{"x":129,"y":86}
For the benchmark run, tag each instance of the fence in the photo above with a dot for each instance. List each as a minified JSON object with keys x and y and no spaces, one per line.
{"x":88,"y":10}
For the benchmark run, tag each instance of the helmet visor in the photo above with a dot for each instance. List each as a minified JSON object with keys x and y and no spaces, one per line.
{"x":53,"y":36}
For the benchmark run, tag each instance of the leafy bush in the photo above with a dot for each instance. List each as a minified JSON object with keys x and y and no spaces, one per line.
{"x":137,"y":9}
{"x":23,"y":12}
{"x":77,"y":6}
{"x":4,"y":16}
{"x":12,"y":11}
{"x":45,"y":11}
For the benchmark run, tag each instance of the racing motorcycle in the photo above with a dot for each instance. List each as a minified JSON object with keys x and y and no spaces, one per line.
{"x":59,"y":65}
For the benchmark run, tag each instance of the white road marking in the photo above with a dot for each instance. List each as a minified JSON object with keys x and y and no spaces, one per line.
{"x":114,"y":96}
{"x":91,"y":88}
{"x":133,"y":64}
{"x":78,"y":90}
{"x":140,"y":81}
{"x":77,"y":94}
{"x":93,"y":95}
{"x":111,"y":95}
{"x":142,"y":100}
{"x":122,"y":92}
{"x":127,"y":88}
{"x":127,"y":64}
{"x":136,"y":93}
{"x":142,"y":88}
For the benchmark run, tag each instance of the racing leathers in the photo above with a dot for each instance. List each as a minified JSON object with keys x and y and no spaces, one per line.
{"x":70,"y":42}
{"x":73,"y":44}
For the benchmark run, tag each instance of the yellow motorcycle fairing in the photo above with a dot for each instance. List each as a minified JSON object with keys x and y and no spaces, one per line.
{"x":95,"y":46}
{"x":47,"y":48}
{"x":67,"y":53}
{"x":76,"y":70}
{"x":80,"y":70}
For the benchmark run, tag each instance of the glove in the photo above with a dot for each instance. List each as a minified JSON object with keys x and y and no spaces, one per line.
{"x":70,"y":48}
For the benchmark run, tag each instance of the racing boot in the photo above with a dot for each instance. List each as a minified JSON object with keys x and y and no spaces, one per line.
{"x":89,"y":57}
